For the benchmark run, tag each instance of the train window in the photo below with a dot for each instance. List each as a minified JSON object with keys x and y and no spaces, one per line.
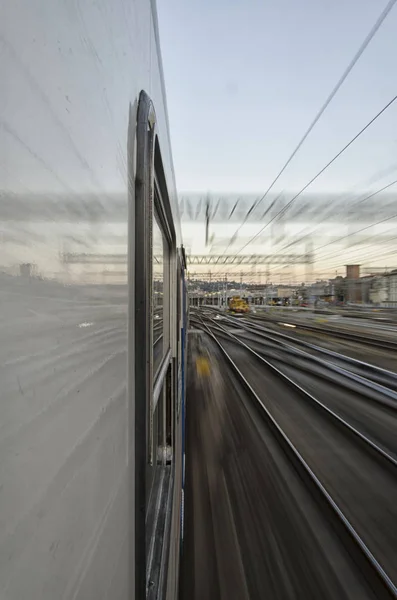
{"x":161,"y":249}
{"x":159,"y":256}
{"x":161,"y":284}
{"x":154,"y":330}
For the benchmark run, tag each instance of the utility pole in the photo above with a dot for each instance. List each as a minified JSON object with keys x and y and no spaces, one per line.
{"x":309,"y":268}
{"x":207,"y":220}
{"x":266,"y":285}
{"x":309,"y":261}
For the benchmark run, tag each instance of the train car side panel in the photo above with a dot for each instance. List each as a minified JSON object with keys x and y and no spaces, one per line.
{"x":74,"y":73}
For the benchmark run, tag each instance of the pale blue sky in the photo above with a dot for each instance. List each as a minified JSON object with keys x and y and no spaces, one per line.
{"x":244,"y":80}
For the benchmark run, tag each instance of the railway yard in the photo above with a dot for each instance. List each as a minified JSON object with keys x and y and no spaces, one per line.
{"x":291,"y":457}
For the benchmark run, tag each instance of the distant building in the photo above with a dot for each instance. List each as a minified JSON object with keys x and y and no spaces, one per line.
{"x":352,"y":271}
{"x":353,"y":291}
{"x":365,"y":287}
{"x":285,"y":291}
{"x":319,"y":289}
{"x":392,"y":277}
{"x":27,"y":270}
{"x":383,"y":290}
{"x":378,"y":293}
{"x":338,"y":289}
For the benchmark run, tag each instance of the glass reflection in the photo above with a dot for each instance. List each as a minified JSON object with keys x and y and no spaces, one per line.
{"x":159,"y":258}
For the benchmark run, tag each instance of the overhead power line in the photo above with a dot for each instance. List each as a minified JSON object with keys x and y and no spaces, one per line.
{"x":360,"y":201}
{"x":333,"y":93}
{"x":343,"y":237}
{"x":286,"y":207}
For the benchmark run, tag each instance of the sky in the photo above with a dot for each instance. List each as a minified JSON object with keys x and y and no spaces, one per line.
{"x":245,"y":79}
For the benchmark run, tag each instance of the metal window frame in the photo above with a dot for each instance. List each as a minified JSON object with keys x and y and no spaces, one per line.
{"x":167,"y":253}
{"x":142,"y":327}
{"x":162,"y":217}
{"x":151,"y":196}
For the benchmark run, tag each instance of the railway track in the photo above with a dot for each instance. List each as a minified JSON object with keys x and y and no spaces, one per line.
{"x":357,"y":370}
{"x":372,"y":405}
{"x":361,"y":371}
{"x":382,"y":343}
{"x":360,"y":489}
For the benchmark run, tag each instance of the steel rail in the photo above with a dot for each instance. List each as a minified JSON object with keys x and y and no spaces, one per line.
{"x":308,"y":395}
{"x":346,"y":335}
{"x":389,"y":587}
{"x":381,"y":377}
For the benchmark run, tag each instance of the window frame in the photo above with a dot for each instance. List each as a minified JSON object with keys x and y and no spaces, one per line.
{"x":152,"y":392}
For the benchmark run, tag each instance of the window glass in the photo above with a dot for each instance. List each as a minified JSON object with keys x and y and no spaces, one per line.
{"x":159,"y":260}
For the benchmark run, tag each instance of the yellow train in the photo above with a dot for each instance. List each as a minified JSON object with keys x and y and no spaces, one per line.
{"x":238,"y":305}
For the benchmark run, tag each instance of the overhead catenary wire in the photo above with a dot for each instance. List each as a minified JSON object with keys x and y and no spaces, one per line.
{"x":357,"y":248}
{"x":375,"y":257}
{"x":325,"y":257}
{"x":360,"y":201}
{"x":380,"y":222}
{"x":286,"y":207}
{"x":370,"y":256}
{"x":273,"y":269}
{"x":323,"y":108}
{"x":362,"y":248}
